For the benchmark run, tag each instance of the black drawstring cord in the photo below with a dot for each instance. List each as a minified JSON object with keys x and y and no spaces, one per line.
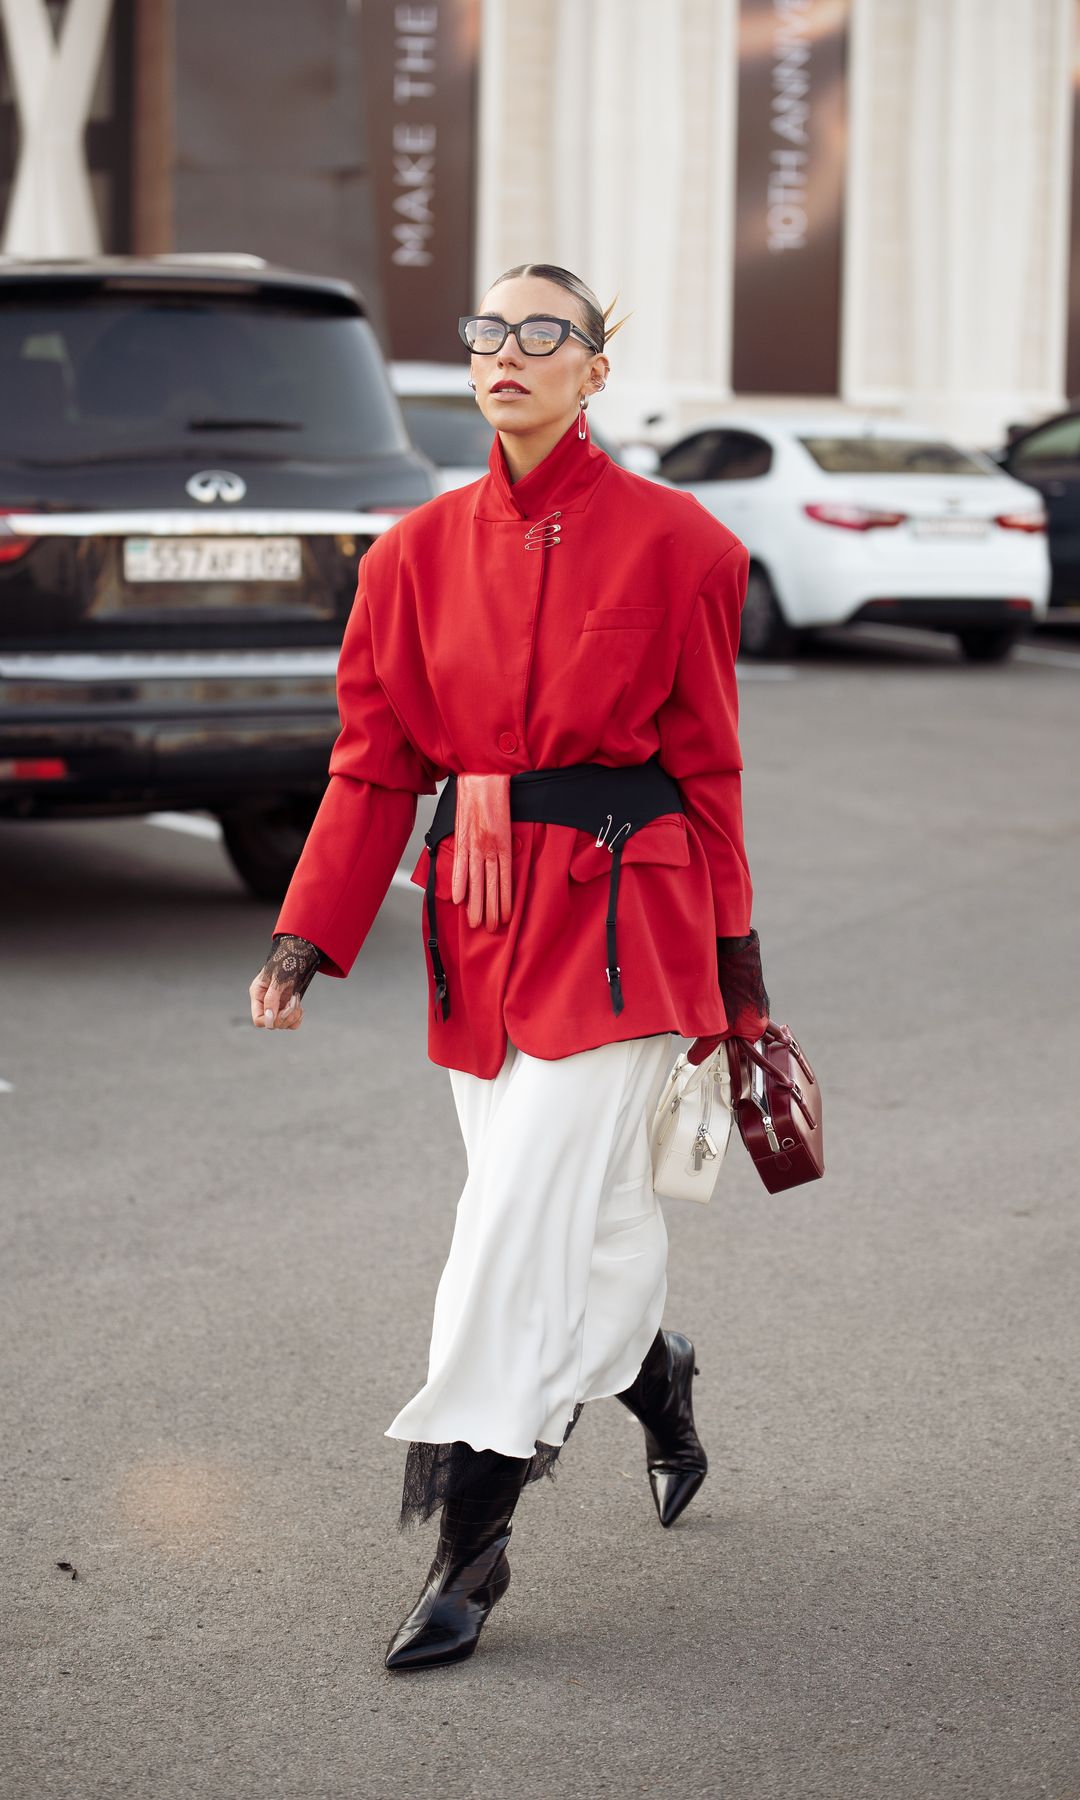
{"x":613,"y":971}
{"x":442,"y":997}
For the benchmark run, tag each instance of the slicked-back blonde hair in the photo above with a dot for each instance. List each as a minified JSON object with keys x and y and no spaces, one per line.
{"x":594,"y":323}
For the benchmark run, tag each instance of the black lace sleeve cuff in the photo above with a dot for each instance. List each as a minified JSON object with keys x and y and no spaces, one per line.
{"x":742,"y":985}
{"x":292,"y":963}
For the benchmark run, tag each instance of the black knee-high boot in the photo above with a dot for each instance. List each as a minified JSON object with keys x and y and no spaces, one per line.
{"x":660,"y":1396}
{"x":470,"y":1571}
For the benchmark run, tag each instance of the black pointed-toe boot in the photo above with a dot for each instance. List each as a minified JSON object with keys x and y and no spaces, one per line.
{"x":470,"y":1571}
{"x":660,"y":1396}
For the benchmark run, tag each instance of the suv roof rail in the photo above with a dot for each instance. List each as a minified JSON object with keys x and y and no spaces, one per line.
{"x":214,"y":258}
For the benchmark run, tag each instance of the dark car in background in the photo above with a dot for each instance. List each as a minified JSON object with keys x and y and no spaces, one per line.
{"x":194,"y":454}
{"x":1047,"y":457}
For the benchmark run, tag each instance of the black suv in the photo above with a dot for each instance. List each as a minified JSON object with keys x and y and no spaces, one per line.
{"x":194,"y":454}
{"x":1047,"y":457}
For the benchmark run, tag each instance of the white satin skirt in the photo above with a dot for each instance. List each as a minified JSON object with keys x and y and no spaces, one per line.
{"x":556,"y":1278}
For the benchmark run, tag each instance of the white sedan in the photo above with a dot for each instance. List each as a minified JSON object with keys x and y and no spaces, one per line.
{"x":849,"y":520}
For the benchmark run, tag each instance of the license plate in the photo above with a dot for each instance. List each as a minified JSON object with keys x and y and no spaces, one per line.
{"x":212,"y":559}
{"x":950,"y":528}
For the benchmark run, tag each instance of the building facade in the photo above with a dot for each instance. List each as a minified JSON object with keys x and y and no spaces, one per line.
{"x":611,"y":141}
{"x":860,"y":202}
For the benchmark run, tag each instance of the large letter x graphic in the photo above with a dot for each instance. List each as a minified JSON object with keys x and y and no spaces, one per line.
{"x":52,"y":207}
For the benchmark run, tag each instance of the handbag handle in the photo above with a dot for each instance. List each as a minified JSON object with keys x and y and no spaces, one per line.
{"x":781,"y":1035}
{"x":778,"y":1034}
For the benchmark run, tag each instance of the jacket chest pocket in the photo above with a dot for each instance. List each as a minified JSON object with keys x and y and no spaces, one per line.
{"x":635,"y":619}
{"x":615,"y":647}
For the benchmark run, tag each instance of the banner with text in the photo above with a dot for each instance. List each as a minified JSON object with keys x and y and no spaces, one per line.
{"x":790,"y":170}
{"x":420,"y":87}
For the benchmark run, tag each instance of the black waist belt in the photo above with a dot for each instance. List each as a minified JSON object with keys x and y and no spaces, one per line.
{"x":588,"y":796}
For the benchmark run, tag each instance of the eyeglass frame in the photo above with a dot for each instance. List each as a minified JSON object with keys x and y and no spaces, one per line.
{"x":569,"y":329}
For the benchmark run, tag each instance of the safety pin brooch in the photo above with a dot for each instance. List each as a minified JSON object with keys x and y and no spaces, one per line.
{"x":544,"y":532}
{"x":603,"y":834}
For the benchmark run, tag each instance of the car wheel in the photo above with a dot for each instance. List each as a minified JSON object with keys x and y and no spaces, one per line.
{"x":264,"y":842}
{"x":988,"y":646}
{"x":764,"y":633}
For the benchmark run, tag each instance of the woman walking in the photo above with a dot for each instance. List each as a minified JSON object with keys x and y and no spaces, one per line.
{"x":558,"y":642}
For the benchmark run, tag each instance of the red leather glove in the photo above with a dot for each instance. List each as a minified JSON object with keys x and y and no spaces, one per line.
{"x":482,"y":851}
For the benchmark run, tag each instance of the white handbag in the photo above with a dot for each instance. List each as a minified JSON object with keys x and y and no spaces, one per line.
{"x":691,"y":1127}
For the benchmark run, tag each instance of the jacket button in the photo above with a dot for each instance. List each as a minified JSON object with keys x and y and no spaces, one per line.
{"x":507,"y":743}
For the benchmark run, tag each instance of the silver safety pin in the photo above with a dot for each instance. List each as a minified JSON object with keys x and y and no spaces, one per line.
{"x":604,"y":831}
{"x":544,"y":532}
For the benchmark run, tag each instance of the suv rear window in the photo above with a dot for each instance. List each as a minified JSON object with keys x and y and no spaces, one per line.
{"x":93,"y":377}
{"x":890,"y":456}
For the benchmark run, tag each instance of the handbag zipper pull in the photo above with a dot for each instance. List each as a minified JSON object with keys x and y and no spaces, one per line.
{"x":702,"y":1147}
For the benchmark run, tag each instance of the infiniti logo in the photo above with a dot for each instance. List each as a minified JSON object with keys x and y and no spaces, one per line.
{"x":216,"y":484}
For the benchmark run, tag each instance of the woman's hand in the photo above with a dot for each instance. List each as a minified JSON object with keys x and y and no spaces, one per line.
{"x":284,"y":977}
{"x":482,"y":848}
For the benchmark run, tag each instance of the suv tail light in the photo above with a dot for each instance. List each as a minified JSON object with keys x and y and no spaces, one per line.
{"x":11,"y":547}
{"x":1021,"y":521}
{"x":32,"y":768}
{"x":852,"y":518}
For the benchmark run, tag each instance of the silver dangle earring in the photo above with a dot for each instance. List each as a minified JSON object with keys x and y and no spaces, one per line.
{"x":472,"y":385}
{"x":581,"y":428}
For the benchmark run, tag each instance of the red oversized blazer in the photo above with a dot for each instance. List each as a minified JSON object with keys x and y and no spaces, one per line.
{"x":471,"y":650}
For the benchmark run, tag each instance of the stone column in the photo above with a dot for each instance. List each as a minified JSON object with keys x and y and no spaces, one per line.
{"x":957,"y":224}
{"x":607,"y":145}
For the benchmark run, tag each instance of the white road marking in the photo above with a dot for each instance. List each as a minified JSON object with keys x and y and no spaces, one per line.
{"x":191,"y":823}
{"x":165,"y":665}
{"x":912,"y":635}
{"x":195,"y":826}
{"x":1049,"y":659}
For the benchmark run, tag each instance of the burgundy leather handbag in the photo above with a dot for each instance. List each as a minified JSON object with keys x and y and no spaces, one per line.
{"x":777,"y":1104}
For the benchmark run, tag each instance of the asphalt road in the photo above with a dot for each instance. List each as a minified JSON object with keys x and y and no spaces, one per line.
{"x":219,"y":1251}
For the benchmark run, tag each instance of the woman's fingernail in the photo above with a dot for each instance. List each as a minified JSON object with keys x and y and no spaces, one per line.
{"x":268,"y":1019}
